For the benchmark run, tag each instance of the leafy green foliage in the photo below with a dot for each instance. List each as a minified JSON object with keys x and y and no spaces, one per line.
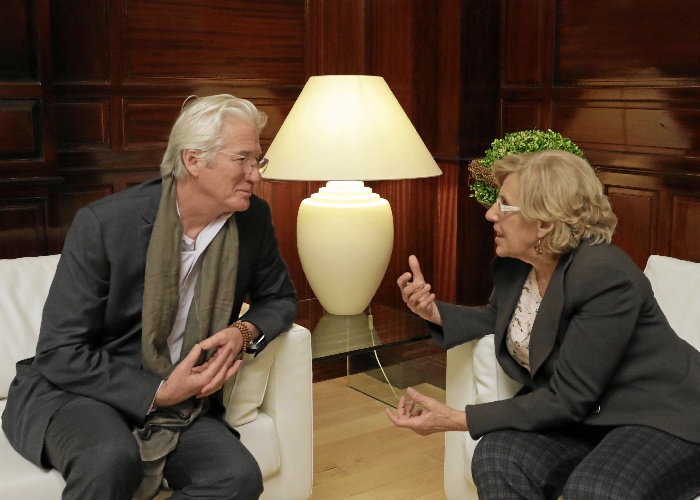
{"x":484,"y":192}
{"x":483,"y":186}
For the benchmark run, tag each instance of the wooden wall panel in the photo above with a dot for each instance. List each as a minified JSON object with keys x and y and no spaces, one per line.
{"x":685,"y":227}
{"x":79,"y":41}
{"x":23,"y":228}
{"x":21,"y":129}
{"x":17,"y":45}
{"x":647,"y":42}
{"x":27,"y":128}
{"x":637,"y":211}
{"x":336,"y":37}
{"x":446,"y":233}
{"x":211,"y":39}
{"x":83,"y":125}
{"x":147,"y":122}
{"x":661,"y":127}
{"x":521,"y":115}
{"x":523,"y":30}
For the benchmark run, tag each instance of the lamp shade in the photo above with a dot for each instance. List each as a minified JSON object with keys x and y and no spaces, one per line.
{"x":348,"y":127}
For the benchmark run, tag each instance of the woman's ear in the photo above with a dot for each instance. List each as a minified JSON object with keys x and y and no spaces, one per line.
{"x":544,"y":228}
{"x":191,"y":161}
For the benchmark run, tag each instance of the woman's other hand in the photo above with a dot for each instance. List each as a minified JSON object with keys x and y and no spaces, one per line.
{"x":434,"y":416}
{"x":416,"y":293}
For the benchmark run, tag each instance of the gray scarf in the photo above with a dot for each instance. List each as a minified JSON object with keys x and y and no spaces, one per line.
{"x":209,"y":313}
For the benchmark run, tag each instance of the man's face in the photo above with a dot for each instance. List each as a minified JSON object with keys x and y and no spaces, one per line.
{"x":225,"y":182}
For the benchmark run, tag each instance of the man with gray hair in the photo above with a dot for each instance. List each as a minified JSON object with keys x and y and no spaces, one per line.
{"x":141,"y":327}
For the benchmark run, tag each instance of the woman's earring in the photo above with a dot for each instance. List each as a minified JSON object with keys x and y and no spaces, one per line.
{"x":538,"y":247}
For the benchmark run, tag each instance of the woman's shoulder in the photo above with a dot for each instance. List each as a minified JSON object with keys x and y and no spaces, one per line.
{"x":601,"y":255}
{"x":603,"y":264}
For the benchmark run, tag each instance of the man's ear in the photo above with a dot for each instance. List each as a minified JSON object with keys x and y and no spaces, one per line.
{"x":544,"y":228}
{"x":192,"y":162}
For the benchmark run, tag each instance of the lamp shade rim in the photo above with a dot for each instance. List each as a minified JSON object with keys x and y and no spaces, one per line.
{"x":348,"y":128}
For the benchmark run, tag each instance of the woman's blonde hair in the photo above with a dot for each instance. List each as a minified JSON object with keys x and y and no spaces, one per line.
{"x":561,"y":188}
{"x":199,"y":128}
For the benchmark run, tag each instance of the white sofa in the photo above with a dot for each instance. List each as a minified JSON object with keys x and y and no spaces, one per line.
{"x":269,"y":403}
{"x":474,"y":376}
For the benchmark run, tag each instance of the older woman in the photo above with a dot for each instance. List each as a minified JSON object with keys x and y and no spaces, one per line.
{"x":610,"y":404}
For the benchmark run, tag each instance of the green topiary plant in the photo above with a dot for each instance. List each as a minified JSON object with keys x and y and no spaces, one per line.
{"x":483,"y":185}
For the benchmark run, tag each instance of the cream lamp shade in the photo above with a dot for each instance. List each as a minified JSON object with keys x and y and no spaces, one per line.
{"x":346,"y":129}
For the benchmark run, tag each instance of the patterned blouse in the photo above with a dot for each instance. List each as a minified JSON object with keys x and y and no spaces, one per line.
{"x":518,"y":337}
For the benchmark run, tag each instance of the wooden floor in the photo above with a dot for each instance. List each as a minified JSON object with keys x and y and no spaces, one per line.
{"x":359,"y":454}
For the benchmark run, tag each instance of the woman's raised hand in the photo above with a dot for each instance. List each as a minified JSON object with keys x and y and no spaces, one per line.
{"x":416,"y":293}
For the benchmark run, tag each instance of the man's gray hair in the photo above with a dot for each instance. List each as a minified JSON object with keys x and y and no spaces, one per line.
{"x":198,"y":128}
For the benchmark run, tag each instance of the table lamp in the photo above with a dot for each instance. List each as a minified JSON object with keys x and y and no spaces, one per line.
{"x":346,"y":129}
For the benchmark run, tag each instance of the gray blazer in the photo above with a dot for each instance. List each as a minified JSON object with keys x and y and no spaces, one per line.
{"x":90,"y":338}
{"x":601,"y":349}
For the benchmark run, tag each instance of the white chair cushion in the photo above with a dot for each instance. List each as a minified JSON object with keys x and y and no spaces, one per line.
{"x":676,"y":285}
{"x":490,"y":381}
{"x":24,"y":286}
{"x":260,"y":437}
{"x":244,"y":393}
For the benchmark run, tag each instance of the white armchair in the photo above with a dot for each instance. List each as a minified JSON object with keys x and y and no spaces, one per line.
{"x":474,"y":376}
{"x":269,"y":402}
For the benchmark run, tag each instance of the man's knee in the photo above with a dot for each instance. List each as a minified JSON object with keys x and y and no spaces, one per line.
{"x":245,"y":479}
{"x":108,"y":471}
{"x":119,"y":461}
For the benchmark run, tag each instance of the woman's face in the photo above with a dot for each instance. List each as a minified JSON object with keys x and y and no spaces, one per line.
{"x":515,"y":236}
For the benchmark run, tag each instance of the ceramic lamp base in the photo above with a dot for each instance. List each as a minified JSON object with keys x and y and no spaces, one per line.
{"x":345,"y":234}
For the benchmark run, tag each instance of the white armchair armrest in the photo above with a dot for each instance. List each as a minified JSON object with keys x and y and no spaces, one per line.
{"x":271,"y":405}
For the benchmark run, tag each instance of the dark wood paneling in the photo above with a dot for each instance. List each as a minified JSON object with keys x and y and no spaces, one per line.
{"x":17,"y":45}
{"x":17,"y":41}
{"x":336,"y":37}
{"x":646,"y":42}
{"x":83,"y":125}
{"x":524,"y":115}
{"x":662,"y":128}
{"x":523,"y":30}
{"x":21,"y":128}
{"x":446,"y":218}
{"x":210,"y":39}
{"x":685,"y":227}
{"x":27,"y":128}
{"x":147,"y":122}
{"x":79,"y":40}
{"x":637,"y":211}
{"x":23,"y":228}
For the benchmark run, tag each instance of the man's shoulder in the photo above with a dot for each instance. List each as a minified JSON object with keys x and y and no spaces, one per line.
{"x":145,"y":190}
{"x":136,"y":198}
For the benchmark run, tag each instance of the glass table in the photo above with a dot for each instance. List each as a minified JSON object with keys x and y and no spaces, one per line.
{"x":385,"y":349}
